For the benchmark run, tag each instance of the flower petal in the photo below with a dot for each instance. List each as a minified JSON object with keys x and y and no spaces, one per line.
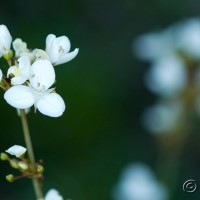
{"x":16,"y":150}
{"x":43,"y":75}
{"x":49,"y":40}
{"x":11,"y":70}
{"x":67,"y":57}
{"x":51,"y":105}
{"x":63,"y":44}
{"x":18,"y":80}
{"x":1,"y":74}
{"x":52,"y":48}
{"x":19,"y":97}
{"x":5,"y":39}
{"x":53,"y":194}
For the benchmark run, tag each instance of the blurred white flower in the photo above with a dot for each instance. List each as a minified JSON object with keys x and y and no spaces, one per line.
{"x":53,"y":194}
{"x":58,"y":49}
{"x":167,"y":77}
{"x":162,"y":117}
{"x":16,"y":150}
{"x":21,"y":71}
{"x":5,"y":40}
{"x":37,"y":92}
{"x":188,"y":37}
{"x":152,"y":46}
{"x":139,"y":183}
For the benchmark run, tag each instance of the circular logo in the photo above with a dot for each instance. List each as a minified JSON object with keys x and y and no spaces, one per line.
{"x":190,"y":186}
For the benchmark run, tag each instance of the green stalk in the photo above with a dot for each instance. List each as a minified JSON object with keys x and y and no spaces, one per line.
{"x":36,"y":181}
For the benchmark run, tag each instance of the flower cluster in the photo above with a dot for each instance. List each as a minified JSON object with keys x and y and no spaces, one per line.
{"x":174,"y":75}
{"x":31,"y":73}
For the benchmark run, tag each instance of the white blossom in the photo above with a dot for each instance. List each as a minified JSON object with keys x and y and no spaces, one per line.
{"x":5,"y":40}
{"x":53,"y":194}
{"x":163,"y":117}
{"x":37,"y":93}
{"x":58,"y":49}
{"x":16,"y":150}
{"x":155,"y":45}
{"x":139,"y":183}
{"x":187,"y":37}
{"x":167,"y":77}
{"x":21,"y":71}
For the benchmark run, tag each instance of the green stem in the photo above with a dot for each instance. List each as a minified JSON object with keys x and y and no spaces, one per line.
{"x":36,"y":181}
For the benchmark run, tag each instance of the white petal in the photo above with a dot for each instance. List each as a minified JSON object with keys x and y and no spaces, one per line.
{"x":52,"y":48}
{"x":51,"y":105}
{"x":64,"y":43}
{"x":18,"y":80}
{"x":19,"y":97}
{"x":16,"y":150}
{"x":24,"y":62}
{"x":11,"y":70}
{"x":67,"y":57}
{"x":53,"y":194}
{"x":43,"y":75}
{"x":49,"y":40}
{"x":1,"y":74}
{"x":5,"y":39}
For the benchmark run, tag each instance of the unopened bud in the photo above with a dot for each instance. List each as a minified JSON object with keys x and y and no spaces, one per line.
{"x":14,"y":164}
{"x":10,"y":178}
{"x":23,"y":165}
{"x":4,"y":156}
{"x":40,"y":169}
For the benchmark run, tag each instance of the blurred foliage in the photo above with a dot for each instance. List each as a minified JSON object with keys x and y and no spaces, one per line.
{"x":85,"y":150}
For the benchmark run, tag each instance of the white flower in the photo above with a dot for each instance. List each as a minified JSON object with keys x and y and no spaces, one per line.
{"x":5,"y":40}
{"x":156,"y":45}
{"x":16,"y":150}
{"x":167,"y":77}
{"x":163,"y":117}
{"x":1,"y":75}
{"x":188,"y":37}
{"x":53,"y":194}
{"x":58,"y":49}
{"x":38,"y":93}
{"x":21,"y":49}
{"x":21,"y":72}
{"x":139,"y":183}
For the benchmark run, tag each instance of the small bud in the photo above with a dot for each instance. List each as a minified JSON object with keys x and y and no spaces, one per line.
{"x":10,"y":178}
{"x":9,"y":55}
{"x":40,"y":169}
{"x":23,"y":165}
{"x":4,"y":156}
{"x":14,"y":164}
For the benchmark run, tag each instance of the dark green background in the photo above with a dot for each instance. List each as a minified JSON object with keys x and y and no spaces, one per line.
{"x":85,"y":150}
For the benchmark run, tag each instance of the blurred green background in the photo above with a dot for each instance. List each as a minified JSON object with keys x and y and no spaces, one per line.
{"x":100,"y":133}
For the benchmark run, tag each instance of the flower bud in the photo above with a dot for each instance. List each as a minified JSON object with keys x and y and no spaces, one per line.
{"x":14,"y":164}
{"x":4,"y":156}
{"x":22,"y":165}
{"x":10,"y":178}
{"x":40,"y":169}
